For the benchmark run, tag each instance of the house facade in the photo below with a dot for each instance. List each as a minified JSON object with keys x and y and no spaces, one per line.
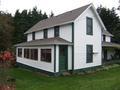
{"x":69,"y":41}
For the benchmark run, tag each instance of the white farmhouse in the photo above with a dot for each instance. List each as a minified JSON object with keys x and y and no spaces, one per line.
{"x":67,"y":42}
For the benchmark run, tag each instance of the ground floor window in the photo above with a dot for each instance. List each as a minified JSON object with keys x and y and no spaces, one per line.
{"x":19,"y":52}
{"x":46,"y":55}
{"x":31,"y":54}
{"x":89,"y":53}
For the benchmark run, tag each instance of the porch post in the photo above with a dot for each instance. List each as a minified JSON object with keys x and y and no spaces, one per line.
{"x":54,"y":58}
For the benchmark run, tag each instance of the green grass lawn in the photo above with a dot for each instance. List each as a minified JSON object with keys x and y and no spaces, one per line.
{"x":103,"y":80}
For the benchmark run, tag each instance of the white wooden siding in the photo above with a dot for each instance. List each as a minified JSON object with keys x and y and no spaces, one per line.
{"x":39,"y":35}
{"x":66,"y":32}
{"x":81,"y":39}
{"x":29,"y":37}
{"x":51,"y":33}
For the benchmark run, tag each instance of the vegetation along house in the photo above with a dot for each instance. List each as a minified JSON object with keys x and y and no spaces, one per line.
{"x":67,"y":42}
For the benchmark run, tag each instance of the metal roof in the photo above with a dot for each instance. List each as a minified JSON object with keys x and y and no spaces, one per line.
{"x":65,"y":18}
{"x":48,"y":41}
{"x":110,"y":44}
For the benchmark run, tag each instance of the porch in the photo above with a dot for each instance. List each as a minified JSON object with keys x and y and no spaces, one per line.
{"x":51,"y":55}
{"x":110,"y":52}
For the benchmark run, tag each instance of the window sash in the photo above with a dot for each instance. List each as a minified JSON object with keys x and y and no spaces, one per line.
{"x":19,"y":52}
{"x":31,"y":54}
{"x":33,"y":36}
{"x":56,"y":31}
{"x":89,"y":54}
{"x":89,"y":26}
{"x":45,"y":33}
{"x":46,"y":55}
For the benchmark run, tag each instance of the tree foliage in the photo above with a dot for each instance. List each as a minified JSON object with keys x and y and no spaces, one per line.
{"x":25,"y":20}
{"x":6,"y":30}
{"x":111,"y":20}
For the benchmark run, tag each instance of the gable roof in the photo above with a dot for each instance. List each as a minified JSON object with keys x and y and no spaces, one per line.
{"x":65,"y":18}
{"x":48,"y":41}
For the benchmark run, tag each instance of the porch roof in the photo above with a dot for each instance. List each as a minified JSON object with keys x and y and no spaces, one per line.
{"x":110,"y":44}
{"x":48,"y":41}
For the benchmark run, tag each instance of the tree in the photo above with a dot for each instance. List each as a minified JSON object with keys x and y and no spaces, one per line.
{"x":6,"y":30}
{"x":52,"y":14}
{"x":111,"y":21}
{"x":24,"y":21}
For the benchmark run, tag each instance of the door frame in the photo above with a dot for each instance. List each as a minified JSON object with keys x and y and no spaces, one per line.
{"x":66,"y":69}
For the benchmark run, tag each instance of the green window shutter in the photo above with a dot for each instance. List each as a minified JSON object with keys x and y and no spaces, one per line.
{"x":89,"y":53}
{"x":89,"y":26}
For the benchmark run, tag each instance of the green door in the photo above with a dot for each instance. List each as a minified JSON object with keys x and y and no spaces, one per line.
{"x":63,"y":58}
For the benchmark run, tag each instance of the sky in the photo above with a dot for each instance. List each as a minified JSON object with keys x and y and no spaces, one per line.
{"x":55,"y":6}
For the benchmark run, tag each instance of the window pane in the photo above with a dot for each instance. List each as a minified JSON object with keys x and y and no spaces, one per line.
{"x":45,"y":33}
{"x":33,"y":35}
{"x":56,"y":31}
{"x":31,"y":54}
{"x":46,"y":55}
{"x":19,"y":52}
{"x":89,"y":53}
{"x":89,"y":26}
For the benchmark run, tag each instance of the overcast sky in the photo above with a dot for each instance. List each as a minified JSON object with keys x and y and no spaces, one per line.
{"x":57,"y":6}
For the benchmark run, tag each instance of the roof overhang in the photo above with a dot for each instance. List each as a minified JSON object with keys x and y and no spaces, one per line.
{"x":44,"y":42}
{"x":110,"y":45}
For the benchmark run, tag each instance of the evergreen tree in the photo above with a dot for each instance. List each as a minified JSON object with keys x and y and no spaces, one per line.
{"x":6,"y":31}
{"x":24,"y":21}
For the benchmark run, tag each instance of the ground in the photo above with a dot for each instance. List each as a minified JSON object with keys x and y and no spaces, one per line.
{"x":102,"y":80}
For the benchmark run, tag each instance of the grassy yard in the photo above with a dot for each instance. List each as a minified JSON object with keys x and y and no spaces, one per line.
{"x":103,"y":80}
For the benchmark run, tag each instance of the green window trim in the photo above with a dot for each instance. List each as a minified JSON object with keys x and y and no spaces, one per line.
{"x":89,"y":26}
{"x":89,"y":53}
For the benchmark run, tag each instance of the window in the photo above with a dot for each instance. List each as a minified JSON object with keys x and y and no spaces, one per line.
{"x":56,"y":31}
{"x":89,"y":26}
{"x":45,"y":33}
{"x":89,"y":53}
{"x":33,"y":36}
{"x":26,"y":53}
{"x":104,"y":37}
{"x":46,"y":55}
{"x":31,"y":54}
{"x":34,"y":54}
{"x":19,"y":52}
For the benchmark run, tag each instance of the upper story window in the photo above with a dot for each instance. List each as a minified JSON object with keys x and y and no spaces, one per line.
{"x":33,"y":36}
{"x":104,"y":38}
{"x":56,"y":31}
{"x":45,"y":33}
{"x":89,"y":26}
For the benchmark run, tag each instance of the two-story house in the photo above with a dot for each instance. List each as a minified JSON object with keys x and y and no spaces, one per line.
{"x":69,"y":41}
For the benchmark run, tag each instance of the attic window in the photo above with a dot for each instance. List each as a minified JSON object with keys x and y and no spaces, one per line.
{"x":56,"y":31}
